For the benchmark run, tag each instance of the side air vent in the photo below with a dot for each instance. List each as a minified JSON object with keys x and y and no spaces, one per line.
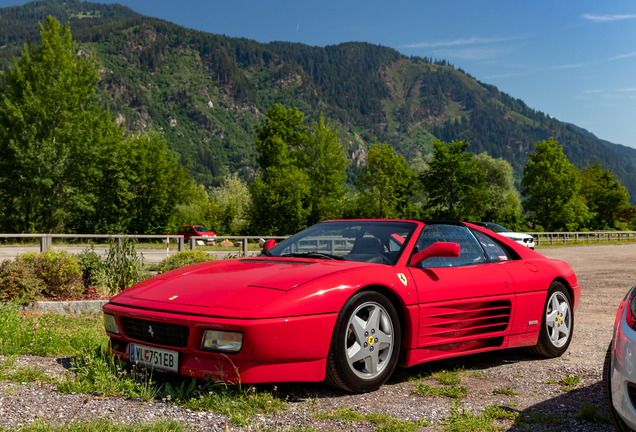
{"x":463,"y":322}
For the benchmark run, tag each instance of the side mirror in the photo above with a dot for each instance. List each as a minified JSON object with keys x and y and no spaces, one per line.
{"x":439,"y":249}
{"x":269,"y":244}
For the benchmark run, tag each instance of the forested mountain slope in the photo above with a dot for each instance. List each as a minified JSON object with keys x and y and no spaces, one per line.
{"x":203,"y":92}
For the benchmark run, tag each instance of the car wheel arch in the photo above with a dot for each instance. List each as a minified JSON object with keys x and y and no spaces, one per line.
{"x":393,"y":298}
{"x":567,"y":286}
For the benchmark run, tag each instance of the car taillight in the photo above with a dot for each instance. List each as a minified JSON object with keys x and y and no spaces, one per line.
{"x":630,"y":315}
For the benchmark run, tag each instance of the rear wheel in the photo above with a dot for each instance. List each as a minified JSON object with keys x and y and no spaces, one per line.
{"x":557,"y":324}
{"x":616,"y":420}
{"x":365,"y":344}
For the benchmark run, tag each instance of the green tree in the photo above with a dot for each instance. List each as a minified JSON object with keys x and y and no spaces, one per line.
{"x":53,"y":135}
{"x":455,"y":183}
{"x":505,"y":207}
{"x":279,"y":132}
{"x":551,"y":184}
{"x":604,"y":195}
{"x":387,"y":179}
{"x":322,"y":157}
{"x":278,"y":202}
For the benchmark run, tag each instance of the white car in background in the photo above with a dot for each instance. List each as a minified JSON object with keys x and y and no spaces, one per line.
{"x":523,"y":239}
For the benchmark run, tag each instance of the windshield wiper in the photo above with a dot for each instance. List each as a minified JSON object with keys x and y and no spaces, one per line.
{"x":313,"y":254}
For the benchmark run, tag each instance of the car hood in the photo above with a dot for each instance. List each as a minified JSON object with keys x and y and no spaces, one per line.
{"x":512,"y":235}
{"x":219,"y":287}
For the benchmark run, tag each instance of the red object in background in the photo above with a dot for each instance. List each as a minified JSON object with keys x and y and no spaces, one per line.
{"x":330,"y":283}
{"x":188,"y":231}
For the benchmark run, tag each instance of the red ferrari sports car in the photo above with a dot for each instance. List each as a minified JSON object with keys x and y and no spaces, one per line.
{"x":346,"y":301}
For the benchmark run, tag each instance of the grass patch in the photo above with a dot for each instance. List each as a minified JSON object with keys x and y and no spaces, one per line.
{"x":589,"y":412}
{"x":453,"y":392}
{"x":570,"y":382}
{"x":462,"y":420}
{"x":550,"y":381}
{"x":446,"y":377}
{"x":383,"y":422}
{"x":498,"y":413}
{"x":103,"y":425}
{"x":48,"y":335}
{"x":505,"y":391}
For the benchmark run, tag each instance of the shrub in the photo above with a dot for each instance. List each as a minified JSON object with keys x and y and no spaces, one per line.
{"x":123,"y":264}
{"x":60,"y":272}
{"x":94,"y":271}
{"x":183,"y":259}
{"x":18,"y":282}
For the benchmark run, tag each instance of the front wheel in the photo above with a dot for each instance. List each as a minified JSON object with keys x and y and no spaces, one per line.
{"x":557,"y":324}
{"x":365,"y":344}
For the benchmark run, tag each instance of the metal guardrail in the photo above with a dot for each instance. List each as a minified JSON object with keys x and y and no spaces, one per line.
{"x":46,"y":240}
{"x":244,"y":239}
{"x":591,"y":236}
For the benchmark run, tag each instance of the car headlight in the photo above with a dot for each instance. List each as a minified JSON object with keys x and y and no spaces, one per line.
{"x":110,"y":324}
{"x":224,"y":341}
{"x":515,"y":239}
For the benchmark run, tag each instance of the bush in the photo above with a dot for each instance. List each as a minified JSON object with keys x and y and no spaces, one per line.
{"x":18,"y":282}
{"x":94,"y":271}
{"x":123,"y":265}
{"x":60,"y":272}
{"x":183,"y":259}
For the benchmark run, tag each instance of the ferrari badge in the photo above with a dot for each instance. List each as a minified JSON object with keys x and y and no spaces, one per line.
{"x":173,"y":297}
{"x":402,"y":278}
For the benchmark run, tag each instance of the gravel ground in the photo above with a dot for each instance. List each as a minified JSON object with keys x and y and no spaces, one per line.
{"x":604,"y":275}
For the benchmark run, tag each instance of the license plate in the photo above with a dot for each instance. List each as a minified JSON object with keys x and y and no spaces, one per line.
{"x":155,"y":357}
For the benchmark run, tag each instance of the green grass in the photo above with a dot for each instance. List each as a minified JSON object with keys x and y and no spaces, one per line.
{"x":48,"y":335}
{"x":102,"y":425}
{"x":462,"y":420}
{"x":545,"y":244}
{"x":383,"y":422}
{"x":505,"y":391}
{"x":452,"y":392}
{"x":498,"y":413}
{"x":447,"y":377}
{"x":569,"y":382}
{"x":589,"y":412}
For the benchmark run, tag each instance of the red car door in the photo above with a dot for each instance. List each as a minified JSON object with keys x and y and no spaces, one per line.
{"x":465,"y":303}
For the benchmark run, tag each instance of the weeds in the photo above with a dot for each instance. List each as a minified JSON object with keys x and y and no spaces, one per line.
{"x":384,"y":422}
{"x":103,"y":425}
{"x":446,"y":377}
{"x":453,"y":392}
{"x":498,"y":413}
{"x":49,"y":334}
{"x":506,"y":391}
{"x":467,"y":421}
{"x":569,"y":382}
{"x":589,"y":412}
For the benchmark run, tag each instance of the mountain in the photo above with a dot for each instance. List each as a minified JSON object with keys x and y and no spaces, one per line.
{"x":204,"y":92}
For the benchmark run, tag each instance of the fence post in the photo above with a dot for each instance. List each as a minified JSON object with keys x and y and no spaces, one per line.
{"x":245,"y":247}
{"x":193,"y":244}
{"x":551,"y":238}
{"x":180,"y":242}
{"x":43,"y":244}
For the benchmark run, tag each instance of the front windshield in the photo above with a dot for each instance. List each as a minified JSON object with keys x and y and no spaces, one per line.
{"x":379,"y":242}
{"x":497,"y":228}
{"x":201,"y":229}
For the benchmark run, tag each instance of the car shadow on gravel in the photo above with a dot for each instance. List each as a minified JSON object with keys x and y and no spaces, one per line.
{"x":581,"y":409}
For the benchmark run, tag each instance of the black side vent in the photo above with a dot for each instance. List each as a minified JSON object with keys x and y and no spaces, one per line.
{"x":170,"y":335}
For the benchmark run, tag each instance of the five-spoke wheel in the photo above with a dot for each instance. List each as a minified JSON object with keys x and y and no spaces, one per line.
{"x":557,"y":324}
{"x":365,"y":343}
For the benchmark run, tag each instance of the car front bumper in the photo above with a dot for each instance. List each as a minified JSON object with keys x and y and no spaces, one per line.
{"x":274,"y":350}
{"x":623,"y":368}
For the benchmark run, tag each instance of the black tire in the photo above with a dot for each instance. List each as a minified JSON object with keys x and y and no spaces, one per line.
{"x":545,"y":347}
{"x":355,"y":377}
{"x":617,"y":422}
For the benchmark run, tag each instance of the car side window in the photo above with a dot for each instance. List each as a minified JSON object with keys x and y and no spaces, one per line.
{"x":190,"y":230}
{"x":471,"y":251}
{"x":494,"y":252}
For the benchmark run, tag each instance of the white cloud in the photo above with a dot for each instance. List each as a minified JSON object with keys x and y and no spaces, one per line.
{"x":623,"y":56}
{"x":475,"y":53}
{"x":462,"y":41}
{"x":630,"y":89}
{"x":603,"y":18}
{"x":568,"y":66}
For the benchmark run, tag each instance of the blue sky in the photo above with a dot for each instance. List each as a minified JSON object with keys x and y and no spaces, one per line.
{"x":574,"y":60}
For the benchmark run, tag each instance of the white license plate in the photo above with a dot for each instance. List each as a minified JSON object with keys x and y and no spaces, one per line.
{"x":155,"y":357}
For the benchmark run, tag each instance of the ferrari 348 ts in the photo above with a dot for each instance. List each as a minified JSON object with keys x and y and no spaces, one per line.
{"x":346,"y":301}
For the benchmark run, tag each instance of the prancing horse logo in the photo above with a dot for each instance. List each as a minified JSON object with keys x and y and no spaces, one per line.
{"x":152,"y":333}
